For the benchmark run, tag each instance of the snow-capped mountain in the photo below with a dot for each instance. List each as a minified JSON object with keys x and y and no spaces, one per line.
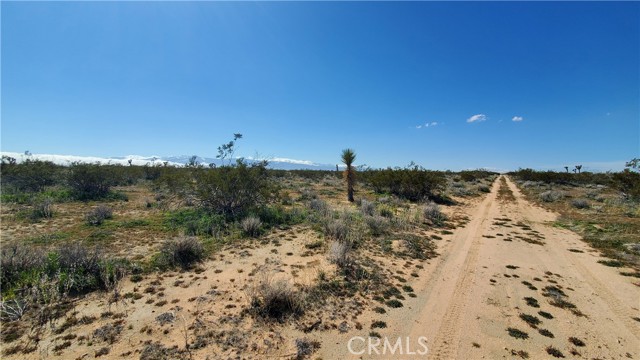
{"x":180,"y":160}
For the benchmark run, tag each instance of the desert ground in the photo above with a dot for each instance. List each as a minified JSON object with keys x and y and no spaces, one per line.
{"x":490,"y":273}
{"x":496,"y":276}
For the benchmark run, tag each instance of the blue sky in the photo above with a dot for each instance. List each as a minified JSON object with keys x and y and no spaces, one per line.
{"x":305,"y":80}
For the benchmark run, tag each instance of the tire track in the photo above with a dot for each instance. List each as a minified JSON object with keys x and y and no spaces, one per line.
{"x":624,"y":314}
{"x":448,"y":334}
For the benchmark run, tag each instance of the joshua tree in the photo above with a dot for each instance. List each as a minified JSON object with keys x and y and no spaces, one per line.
{"x":578,"y":167}
{"x":348,"y":156}
{"x":566,"y":168}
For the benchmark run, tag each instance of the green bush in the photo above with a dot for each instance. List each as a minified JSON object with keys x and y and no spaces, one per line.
{"x":29,"y":176}
{"x":74,"y":269}
{"x":628,"y":182}
{"x":251,"y":226}
{"x":98,"y":215}
{"x":42,"y":209}
{"x":181,"y":252}
{"x":90,"y":181}
{"x":233,"y":191}
{"x":195,"y":222}
{"x":413,"y":184}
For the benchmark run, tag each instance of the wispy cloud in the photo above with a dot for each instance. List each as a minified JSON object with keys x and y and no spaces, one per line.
{"x":477,"y":118}
{"x":517,"y":118}
{"x":426,"y":125}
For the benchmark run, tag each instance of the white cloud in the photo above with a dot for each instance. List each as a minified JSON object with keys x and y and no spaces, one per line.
{"x":426,"y":125}
{"x":477,"y":118}
{"x":517,"y":118}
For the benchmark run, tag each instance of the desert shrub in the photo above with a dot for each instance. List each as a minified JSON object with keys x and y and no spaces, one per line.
{"x":71,"y":269}
{"x":552,"y":195}
{"x":386,"y":211}
{"x":461,"y":191}
{"x":474,"y":175}
{"x":628,"y":182}
{"x":182,"y":252}
{"x":108,"y":333}
{"x":553,"y":177}
{"x":377,"y":224}
{"x":319,"y":206}
{"x":42,"y":209}
{"x":276,"y":215}
{"x":251,"y":226}
{"x":307,"y":194}
{"x":98,"y":215}
{"x":305,"y":347}
{"x":337,"y":230}
{"x":340,"y":253}
{"x":276,"y":299}
{"x":432,"y":212}
{"x":367,"y":207}
{"x":195,"y":222}
{"x":90,"y":181}
{"x":484,"y":188}
{"x":580,"y":203}
{"x":413,"y":183}
{"x":17,"y":262}
{"x":12,"y":310}
{"x":233,"y":191}
{"x":29,"y":176}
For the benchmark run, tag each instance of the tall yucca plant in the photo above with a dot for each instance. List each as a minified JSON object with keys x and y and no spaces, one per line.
{"x":348,"y":156}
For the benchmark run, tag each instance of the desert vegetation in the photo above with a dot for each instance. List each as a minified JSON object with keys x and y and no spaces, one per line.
{"x":603,"y":207}
{"x":120,"y":239}
{"x":231,"y":257}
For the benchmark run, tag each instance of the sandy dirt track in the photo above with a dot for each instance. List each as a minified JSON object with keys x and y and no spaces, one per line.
{"x":476,"y":289}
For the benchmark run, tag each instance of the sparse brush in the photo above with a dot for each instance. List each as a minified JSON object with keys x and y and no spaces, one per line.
{"x":545,"y":314}
{"x":108,"y":333}
{"x":337,"y":230}
{"x":182,"y":251}
{"x":533,"y":321}
{"x":377,"y":224}
{"x":16,"y":260}
{"x":12,"y":310}
{"x":367,"y":207}
{"x":319,"y":206}
{"x":484,"y":188}
{"x":545,"y":332}
{"x":431,"y":212}
{"x":554,"y":352}
{"x":42,"y":209}
{"x":98,"y":215}
{"x":305,"y":347}
{"x":276,"y":299}
{"x":378,"y":324}
{"x":339,"y":253}
{"x":577,"y":342}
{"x":580,"y":204}
{"x":251,"y":226}
{"x":394,"y":303}
{"x":552,"y":195}
{"x":518,"y":334}
{"x":386,"y":211}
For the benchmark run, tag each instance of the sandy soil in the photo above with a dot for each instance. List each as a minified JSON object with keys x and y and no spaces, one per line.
{"x":476,"y":289}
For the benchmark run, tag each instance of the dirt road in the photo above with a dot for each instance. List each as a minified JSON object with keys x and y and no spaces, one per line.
{"x":476,"y":289}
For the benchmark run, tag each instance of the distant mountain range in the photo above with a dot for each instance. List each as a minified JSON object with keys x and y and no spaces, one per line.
{"x":180,"y":160}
